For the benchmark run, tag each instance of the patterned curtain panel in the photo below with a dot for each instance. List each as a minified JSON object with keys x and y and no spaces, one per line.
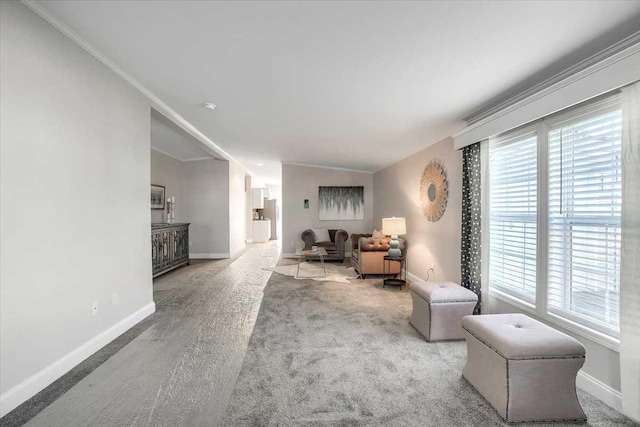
{"x":471,"y":230}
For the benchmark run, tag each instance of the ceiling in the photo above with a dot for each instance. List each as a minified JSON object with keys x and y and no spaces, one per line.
{"x":356,"y":85}
{"x":169,"y":139}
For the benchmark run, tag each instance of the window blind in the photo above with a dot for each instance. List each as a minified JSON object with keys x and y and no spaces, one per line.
{"x":512,"y":215}
{"x":584,"y":219}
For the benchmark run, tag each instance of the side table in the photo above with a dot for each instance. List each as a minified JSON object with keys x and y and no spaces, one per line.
{"x":401,"y":278}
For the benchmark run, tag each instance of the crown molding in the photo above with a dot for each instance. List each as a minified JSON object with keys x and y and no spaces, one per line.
{"x":156,"y":102}
{"x":195,"y":159}
{"x":166,"y":153}
{"x":599,"y":57}
{"x":619,"y":51}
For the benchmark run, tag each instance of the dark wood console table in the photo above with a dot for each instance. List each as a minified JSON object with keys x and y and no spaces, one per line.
{"x":169,"y":246}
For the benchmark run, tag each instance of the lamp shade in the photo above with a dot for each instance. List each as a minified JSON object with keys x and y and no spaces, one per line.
{"x":394,"y":226}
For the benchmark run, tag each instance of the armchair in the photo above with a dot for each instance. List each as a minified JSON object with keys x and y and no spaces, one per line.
{"x":367,"y":254}
{"x":335,"y":248}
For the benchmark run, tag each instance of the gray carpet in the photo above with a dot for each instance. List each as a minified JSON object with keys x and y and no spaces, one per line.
{"x":344,"y":354}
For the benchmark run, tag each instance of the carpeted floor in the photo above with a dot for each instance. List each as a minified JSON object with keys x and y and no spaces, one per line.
{"x":325,"y":353}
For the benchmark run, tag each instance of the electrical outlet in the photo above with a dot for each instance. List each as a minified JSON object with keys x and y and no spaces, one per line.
{"x":293,"y":244}
{"x":94,"y":308}
{"x":114,"y":298}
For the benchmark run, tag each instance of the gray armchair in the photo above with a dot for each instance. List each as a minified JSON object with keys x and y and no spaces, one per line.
{"x":335,"y":248}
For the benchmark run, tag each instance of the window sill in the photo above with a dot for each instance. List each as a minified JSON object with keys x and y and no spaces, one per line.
{"x":576,"y":328}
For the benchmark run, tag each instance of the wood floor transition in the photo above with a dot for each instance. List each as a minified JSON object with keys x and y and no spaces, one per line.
{"x":182,"y":370}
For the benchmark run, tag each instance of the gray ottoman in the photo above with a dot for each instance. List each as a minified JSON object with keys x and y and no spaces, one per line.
{"x":525,"y":369}
{"x":438,"y":309}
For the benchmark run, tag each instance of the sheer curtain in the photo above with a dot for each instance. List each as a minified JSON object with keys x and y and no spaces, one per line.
{"x":630,"y":262}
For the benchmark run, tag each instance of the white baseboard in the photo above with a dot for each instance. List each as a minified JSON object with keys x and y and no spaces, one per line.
{"x":599,"y":390}
{"x":412,"y":277}
{"x":220,"y":255}
{"x":18,"y":394}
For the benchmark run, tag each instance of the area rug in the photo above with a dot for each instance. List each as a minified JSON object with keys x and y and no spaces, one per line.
{"x":314,"y":271}
{"x":325,"y":354}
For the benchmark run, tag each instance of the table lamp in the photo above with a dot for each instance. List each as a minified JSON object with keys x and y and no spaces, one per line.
{"x":393,"y":227}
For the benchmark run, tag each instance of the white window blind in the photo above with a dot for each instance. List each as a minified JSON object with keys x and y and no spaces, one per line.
{"x":512,"y":215}
{"x":585,"y":199}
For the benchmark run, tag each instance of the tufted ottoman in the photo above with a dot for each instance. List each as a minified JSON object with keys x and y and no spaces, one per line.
{"x":525,"y":369}
{"x":438,"y":309}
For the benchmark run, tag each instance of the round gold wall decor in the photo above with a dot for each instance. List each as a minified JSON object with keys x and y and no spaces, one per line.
{"x":434,"y":190}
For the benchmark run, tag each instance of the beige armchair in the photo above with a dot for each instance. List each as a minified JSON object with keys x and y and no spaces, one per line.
{"x":367,"y":254}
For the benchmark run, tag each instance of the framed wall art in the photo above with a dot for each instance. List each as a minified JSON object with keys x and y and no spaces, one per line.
{"x":341,"y":203}
{"x":157,"y":196}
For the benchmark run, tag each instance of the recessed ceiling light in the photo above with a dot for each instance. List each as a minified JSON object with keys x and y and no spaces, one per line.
{"x":210,"y":105}
{"x":260,"y":164}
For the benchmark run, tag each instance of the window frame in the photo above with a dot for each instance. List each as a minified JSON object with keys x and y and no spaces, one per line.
{"x":542,"y":128}
{"x":520,"y":134}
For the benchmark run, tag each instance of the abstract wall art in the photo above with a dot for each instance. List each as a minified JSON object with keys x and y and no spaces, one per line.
{"x":340,"y":203}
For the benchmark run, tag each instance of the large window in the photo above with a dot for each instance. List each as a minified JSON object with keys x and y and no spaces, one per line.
{"x":513,"y":215}
{"x":554,"y":213}
{"x":585,"y":201}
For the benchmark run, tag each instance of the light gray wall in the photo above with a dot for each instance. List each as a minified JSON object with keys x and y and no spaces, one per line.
{"x":206,"y":195}
{"x":74,"y":180}
{"x":302,"y":182}
{"x":167,"y":171}
{"x":237,"y":208}
{"x":397,"y":193}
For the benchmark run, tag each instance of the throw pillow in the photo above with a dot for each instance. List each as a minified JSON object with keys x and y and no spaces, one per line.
{"x":322,"y":235}
{"x":378,"y":234}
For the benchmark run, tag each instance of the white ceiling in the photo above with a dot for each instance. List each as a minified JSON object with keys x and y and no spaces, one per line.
{"x":356,"y":85}
{"x":174,"y":142}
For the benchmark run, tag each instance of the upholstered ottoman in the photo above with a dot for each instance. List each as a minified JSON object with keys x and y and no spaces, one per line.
{"x":438,"y":309}
{"x":525,"y":369}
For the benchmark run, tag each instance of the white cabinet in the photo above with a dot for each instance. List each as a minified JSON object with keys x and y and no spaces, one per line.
{"x":257,"y":198}
{"x":261,"y":230}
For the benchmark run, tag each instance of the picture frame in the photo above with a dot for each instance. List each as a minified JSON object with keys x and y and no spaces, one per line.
{"x":341,"y":203}
{"x":157,"y":196}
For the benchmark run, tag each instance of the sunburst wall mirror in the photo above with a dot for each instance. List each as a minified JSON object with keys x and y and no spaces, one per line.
{"x":434,"y":190}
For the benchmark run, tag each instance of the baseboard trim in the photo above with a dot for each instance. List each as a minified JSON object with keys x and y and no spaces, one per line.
{"x":28,"y":388}
{"x":412,"y":277}
{"x":599,"y":390}
{"x":220,"y":255}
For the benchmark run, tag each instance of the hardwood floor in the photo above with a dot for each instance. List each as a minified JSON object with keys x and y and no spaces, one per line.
{"x":182,"y":370}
